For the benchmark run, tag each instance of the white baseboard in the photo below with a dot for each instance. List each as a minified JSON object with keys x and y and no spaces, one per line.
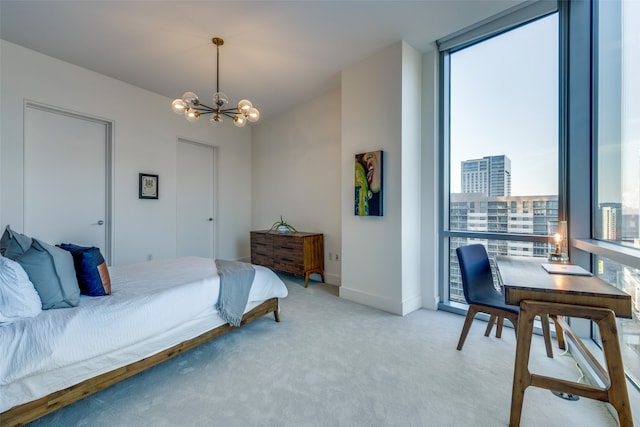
{"x":332,"y":279}
{"x":375,"y":301}
{"x":401,"y":308}
{"x":411,"y":304}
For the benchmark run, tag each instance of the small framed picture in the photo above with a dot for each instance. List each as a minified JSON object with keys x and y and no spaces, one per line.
{"x":148,"y":188}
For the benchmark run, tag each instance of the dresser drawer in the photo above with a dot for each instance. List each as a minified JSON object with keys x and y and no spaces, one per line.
{"x":260,"y":259}
{"x":288,"y":266}
{"x":263,"y":250}
{"x":292,"y":254}
{"x":287,"y":243}
{"x":261,"y":239}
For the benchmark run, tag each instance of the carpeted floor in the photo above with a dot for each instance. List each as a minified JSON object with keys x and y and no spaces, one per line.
{"x":331,"y":362}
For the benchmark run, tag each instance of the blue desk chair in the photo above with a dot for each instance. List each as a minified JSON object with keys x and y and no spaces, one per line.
{"x":482,"y":296}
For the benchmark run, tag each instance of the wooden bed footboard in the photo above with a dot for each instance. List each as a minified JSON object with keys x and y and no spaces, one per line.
{"x":33,"y":410}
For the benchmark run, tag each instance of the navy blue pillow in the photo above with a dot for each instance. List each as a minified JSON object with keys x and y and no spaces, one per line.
{"x":91,"y":270}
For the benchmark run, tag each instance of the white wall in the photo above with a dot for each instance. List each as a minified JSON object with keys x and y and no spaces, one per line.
{"x":411,"y":172}
{"x":381,"y":110}
{"x":296,"y":173}
{"x":145,"y":138}
{"x":431,"y":181}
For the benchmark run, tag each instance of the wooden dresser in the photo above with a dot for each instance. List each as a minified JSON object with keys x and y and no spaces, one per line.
{"x":296,"y":253}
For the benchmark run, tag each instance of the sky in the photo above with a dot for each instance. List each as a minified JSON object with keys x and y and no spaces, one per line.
{"x":618,"y":113}
{"x":630,"y":106}
{"x":504,"y":100}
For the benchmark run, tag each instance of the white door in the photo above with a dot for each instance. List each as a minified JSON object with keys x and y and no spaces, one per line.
{"x":65,"y":178}
{"x":195,"y":220}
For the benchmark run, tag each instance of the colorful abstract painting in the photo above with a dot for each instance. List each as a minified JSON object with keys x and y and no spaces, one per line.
{"x":368,"y":184}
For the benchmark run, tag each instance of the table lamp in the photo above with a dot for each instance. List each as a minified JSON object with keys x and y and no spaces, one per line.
{"x":558,"y":249}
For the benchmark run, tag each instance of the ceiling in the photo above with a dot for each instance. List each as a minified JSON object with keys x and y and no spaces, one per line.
{"x":278,"y":54}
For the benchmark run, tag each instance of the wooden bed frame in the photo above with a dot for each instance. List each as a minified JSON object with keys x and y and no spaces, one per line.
{"x":27,"y":412}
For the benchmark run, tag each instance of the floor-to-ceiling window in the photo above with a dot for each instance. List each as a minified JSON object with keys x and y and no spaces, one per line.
{"x":597,"y":162}
{"x":617,"y":152}
{"x":501,"y":138}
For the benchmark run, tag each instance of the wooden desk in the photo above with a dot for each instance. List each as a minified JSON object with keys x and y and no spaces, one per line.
{"x":537,"y":292}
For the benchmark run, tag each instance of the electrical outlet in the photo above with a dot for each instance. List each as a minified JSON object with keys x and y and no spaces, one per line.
{"x":149,"y":257}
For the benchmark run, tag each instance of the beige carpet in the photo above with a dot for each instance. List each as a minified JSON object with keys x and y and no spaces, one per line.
{"x":331,"y":362}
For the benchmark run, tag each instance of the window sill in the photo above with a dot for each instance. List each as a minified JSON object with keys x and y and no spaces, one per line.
{"x":618,"y":253}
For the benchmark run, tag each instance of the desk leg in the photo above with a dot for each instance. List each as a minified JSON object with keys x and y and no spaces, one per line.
{"x":546,"y":332}
{"x":618,"y":396}
{"x":521,"y":374}
{"x":615,"y":390}
{"x":559,"y":333}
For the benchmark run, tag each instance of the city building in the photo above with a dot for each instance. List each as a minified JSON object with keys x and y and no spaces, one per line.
{"x":610,"y":221}
{"x":490,"y":175}
{"x":508,"y":214}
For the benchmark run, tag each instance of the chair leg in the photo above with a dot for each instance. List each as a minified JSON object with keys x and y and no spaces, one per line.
{"x":499,"y":327}
{"x":513,"y":318}
{"x":492,"y":321}
{"x":471,"y":312}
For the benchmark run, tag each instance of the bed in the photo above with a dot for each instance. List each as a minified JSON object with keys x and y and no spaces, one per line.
{"x":63,"y":355}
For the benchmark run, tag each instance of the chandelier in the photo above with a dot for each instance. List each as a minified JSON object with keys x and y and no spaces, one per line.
{"x":192,"y":108}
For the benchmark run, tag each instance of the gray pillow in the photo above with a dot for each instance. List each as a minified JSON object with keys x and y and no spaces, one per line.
{"x":52,"y":273}
{"x":13,"y":244}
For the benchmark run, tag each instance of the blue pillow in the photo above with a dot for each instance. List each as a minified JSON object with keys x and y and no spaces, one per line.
{"x":13,"y":244}
{"x":91,"y":269}
{"x":52,"y":273}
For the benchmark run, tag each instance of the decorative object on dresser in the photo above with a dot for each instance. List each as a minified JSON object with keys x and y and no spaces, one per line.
{"x":297,"y":253}
{"x":282,"y":226}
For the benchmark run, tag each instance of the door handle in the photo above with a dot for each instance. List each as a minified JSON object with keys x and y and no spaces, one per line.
{"x":100,"y":222}
{"x":210,"y":219}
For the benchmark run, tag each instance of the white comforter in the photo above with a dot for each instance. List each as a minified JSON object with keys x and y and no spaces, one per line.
{"x":153,"y":306}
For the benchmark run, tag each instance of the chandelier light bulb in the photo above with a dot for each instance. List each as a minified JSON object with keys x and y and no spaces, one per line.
{"x":215,"y":120}
{"x":239,"y":120}
{"x":190,"y":99}
{"x":253,"y":115}
{"x":244,"y":105}
{"x":178,"y":106}
{"x":220,"y":99}
{"x":191,"y":115}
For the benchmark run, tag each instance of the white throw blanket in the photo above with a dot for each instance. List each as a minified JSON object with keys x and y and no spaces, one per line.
{"x":235,"y":284}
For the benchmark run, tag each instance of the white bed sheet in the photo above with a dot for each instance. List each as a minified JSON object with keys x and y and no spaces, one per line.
{"x":153,"y":306}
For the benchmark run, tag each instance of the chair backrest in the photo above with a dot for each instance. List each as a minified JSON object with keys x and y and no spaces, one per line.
{"x":477,"y":280}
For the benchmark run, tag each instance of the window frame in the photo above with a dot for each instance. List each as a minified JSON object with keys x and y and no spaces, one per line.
{"x":510,"y":19}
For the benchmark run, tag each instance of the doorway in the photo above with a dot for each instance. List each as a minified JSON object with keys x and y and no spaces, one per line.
{"x":195,"y":199}
{"x":67,"y":164}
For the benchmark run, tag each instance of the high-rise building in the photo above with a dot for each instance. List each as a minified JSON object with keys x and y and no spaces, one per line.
{"x":490,"y":175}
{"x":610,"y":221}
{"x":502,"y":214}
